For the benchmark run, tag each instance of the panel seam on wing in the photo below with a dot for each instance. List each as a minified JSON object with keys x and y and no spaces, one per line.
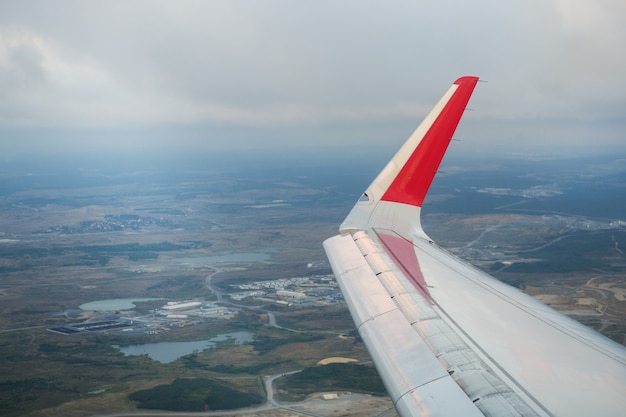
{"x":372,"y":318}
{"x":556,"y":326}
{"x":485,"y":388}
{"x":416,"y":387}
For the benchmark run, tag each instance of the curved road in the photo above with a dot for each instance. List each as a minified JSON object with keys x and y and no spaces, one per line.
{"x":208,"y":279}
{"x":270,"y":404}
{"x":269,"y":389}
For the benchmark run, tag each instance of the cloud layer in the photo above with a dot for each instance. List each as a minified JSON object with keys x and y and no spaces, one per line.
{"x":275,"y":64}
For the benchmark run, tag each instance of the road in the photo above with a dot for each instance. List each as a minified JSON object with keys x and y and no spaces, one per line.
{"x":207,"y":281}
{"x":271,"y":403}
{"x":269,"y":389}
{"x":484,"y":232}
{"x":20,"y":328}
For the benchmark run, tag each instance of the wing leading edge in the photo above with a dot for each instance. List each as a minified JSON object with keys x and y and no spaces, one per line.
{"x":446,"y":338}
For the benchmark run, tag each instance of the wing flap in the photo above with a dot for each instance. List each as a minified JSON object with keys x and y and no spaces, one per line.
{"x":546,"y":354}
{"x":397,"y":320}
{"x":413,"y":376}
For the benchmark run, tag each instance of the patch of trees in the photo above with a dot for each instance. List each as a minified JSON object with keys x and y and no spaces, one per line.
{"x":133,"y":251}
{"x":198,"y":394}
{"x":267,"y":342}
{"x":334,"y":377}
{"x":579,"y":251}
{"x":249,"y":369}
{"x":19,"y":397}
{"x":90,"y":254}
{"x":192,"y":362}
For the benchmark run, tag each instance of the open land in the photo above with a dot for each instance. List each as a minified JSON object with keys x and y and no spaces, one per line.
{"x":217,"y":251}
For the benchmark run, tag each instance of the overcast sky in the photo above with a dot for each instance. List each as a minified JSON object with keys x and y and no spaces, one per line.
{"x":300,"y":73}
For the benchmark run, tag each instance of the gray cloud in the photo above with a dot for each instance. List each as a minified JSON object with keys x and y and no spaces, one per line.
{"x":268,"y":64}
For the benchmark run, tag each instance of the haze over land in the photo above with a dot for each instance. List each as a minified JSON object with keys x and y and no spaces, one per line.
{"x":237,"y":235}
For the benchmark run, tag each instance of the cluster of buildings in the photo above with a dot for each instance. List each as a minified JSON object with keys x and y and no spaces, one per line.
{"x":111,"y":223}
{"x":190,"y":308}
{"x":315,"y":290}
{"x":172,"y":314}
{"x":301,"y":291}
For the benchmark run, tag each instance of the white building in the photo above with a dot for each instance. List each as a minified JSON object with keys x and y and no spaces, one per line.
{"x":182,"y":306}
{"x":290,"y":294}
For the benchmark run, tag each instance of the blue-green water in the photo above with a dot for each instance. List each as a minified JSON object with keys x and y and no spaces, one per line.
{"x":166,"y":352}
{"x":114,"y":304}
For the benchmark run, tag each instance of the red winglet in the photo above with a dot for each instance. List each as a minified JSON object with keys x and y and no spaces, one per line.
{"x":413,"y":181}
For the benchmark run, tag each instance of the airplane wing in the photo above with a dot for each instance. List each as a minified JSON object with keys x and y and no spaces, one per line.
{"x":446,"y":338}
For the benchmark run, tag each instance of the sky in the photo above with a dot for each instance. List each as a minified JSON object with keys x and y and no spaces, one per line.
{"x":344,"y":74}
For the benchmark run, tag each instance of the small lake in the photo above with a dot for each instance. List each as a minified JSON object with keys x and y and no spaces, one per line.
{"x":115,"y":304}
{"x":166,"y":352}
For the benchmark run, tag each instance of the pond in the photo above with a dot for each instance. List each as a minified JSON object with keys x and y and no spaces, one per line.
{"x":114,"y":304}
{"x":166,"y":352}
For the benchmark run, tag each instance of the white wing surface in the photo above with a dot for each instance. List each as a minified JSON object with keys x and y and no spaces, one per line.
{"x":446,"y":338}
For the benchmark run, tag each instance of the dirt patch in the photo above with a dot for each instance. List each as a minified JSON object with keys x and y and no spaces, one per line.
{"x":336,"y":360}
{"x":349,"y":405}
{"x":618,"y":293}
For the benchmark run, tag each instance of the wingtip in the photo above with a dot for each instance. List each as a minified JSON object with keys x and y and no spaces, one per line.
{"x":408,"y":176}
{"x":467,"y":79}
